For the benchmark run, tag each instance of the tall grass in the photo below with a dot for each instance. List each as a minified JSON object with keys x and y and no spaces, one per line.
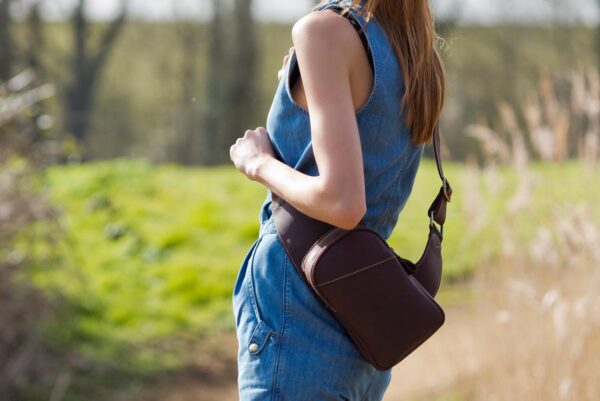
{"x":531,"y":330}
{"x":538,"y":311}
{"x":549,"y":125}
{"x":538,"y":326}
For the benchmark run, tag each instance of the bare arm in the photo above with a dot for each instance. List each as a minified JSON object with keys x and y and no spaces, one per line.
{"x":322,"y":42}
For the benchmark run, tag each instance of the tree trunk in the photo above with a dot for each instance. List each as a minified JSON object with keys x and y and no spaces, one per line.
{"x":232,"y":91}
{"x":36,"y":39}
{"x":597,"y":40}
{"x":6,"y":41}
{"x":188,"y":149}
{"x":243,"y":95}
{"x":87,"y":66}
{"x":214,"y":99}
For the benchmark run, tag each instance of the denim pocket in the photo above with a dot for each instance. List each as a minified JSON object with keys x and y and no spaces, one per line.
{"x":238,"y":287}
{"x":266,"y":282}
{"x":260,"y":335}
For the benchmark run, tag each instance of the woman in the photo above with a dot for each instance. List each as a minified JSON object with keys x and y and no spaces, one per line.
{"x":344,"y":139}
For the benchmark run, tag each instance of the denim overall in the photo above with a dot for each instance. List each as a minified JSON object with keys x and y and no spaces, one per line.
{"x":290,"y":347}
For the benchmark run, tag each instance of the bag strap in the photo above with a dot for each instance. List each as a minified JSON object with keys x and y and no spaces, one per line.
{"x":363,"y":37}
{"x":437,"y":210}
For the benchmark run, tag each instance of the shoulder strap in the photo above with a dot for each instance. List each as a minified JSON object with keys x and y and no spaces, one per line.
{"x":437,"y":210}
{"x":345,"y":12}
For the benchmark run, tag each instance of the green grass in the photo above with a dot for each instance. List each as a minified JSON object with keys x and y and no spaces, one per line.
{"x":152,"y":252}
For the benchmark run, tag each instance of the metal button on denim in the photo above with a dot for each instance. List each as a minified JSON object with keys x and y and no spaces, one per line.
{"x":253,"y":347}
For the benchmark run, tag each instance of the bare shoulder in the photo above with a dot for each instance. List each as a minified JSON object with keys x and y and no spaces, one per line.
{"x":326,"y":31}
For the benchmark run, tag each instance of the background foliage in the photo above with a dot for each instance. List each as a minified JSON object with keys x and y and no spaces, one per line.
{"x":123,"y":224}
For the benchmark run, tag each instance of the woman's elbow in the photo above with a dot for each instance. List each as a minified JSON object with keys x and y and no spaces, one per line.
{"x":350,"y":213}
{"x":346,"y":205}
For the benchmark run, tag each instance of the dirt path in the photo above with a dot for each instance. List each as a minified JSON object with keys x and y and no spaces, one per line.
{"x":513,"y":333}
{"x":448,"y":358}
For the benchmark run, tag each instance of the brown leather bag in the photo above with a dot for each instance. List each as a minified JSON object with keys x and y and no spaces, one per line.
{"x":385,"y":302}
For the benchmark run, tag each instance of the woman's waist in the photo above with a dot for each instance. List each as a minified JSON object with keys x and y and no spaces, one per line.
{"x":267,"y":227}
{"x":378,"y":217}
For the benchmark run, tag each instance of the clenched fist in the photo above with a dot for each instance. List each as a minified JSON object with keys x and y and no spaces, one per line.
{"x":248,"y":152}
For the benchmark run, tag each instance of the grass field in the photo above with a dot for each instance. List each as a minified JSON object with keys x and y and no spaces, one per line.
{"x":153,"y":251}
{"x":144,"y":257}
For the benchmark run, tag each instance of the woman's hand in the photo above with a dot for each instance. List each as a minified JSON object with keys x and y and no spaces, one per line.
{"x":286,"y":58}
{"x":251,"y":151}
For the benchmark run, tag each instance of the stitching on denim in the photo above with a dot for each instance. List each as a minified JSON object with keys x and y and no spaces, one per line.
{"x":263,"y":340}
{"x":285,"y":293}
{"x":276,"y":392}
{"x":369,"y":386}
{"x":397,"y":182}
{"x":251,"y":284}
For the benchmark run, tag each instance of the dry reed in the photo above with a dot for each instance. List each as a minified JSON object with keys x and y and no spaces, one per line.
{"x":556,"y":129}
{"x":539,"y":319}
{"x":531,"y":330}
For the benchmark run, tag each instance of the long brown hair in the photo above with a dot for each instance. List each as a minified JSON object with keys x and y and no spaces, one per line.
{"x":410,"y":27}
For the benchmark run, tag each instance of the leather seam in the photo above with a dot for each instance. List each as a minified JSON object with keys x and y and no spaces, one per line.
{"x":314,"y":245}
{"x":362,"y":269}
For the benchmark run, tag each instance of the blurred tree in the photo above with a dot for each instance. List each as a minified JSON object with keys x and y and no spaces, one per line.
{"x":598,"y":38}
{"x":214,"y":110}
{"x":6,"y":40}
{"x":34,"y":52}
{"x":87,"y":65}
{"x":188,"y":144}
{"x":243,"y":94}
{"x":25,"y":310}
{"x":232,"y":90}
{"x":35,"y":27}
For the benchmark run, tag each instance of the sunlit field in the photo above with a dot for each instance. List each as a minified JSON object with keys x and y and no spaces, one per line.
{"x":123,"y":223}
{"x":151,"y":254}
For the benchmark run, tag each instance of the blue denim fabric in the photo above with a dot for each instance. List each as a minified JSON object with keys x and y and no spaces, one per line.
{"x":390,"y":158}
{"x":290,"y":347}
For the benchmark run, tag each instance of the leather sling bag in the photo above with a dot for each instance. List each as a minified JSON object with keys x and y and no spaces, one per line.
{"x":384,"y":302}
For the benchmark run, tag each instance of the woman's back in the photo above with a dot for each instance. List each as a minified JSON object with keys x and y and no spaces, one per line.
{"x":337,"y":164}
{"x":390,"y":157}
